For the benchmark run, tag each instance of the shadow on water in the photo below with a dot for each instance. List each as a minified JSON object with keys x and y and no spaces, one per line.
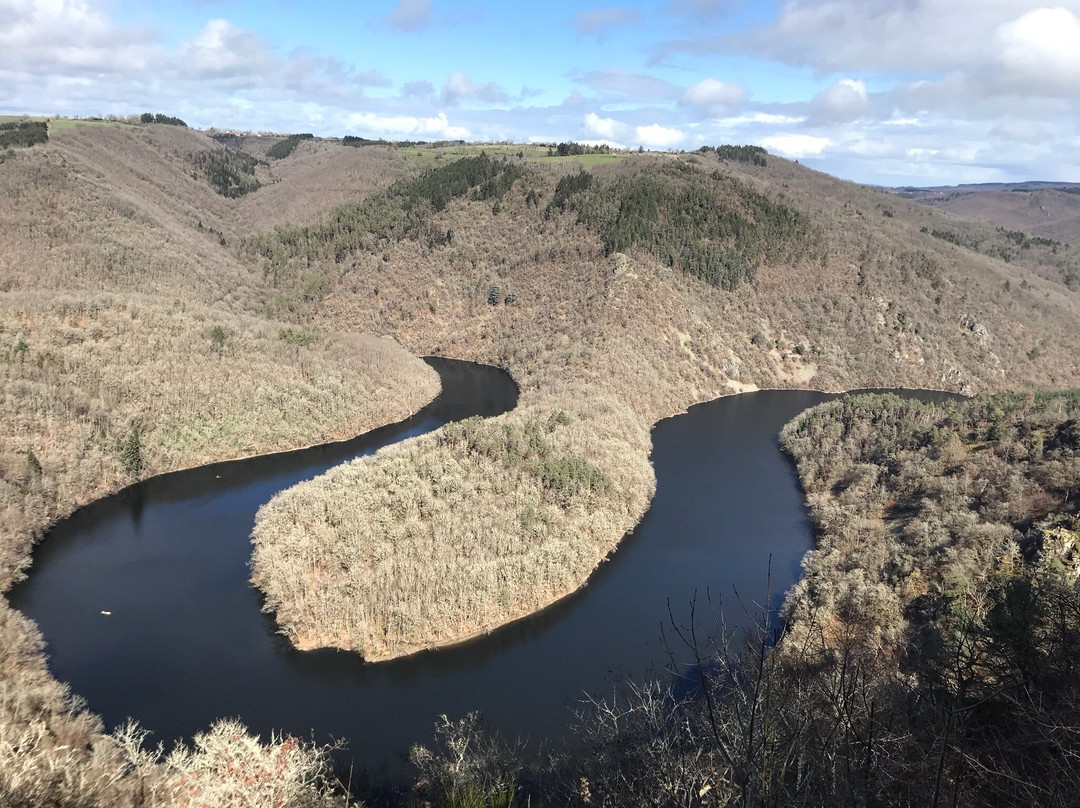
{"x":186,"y":641}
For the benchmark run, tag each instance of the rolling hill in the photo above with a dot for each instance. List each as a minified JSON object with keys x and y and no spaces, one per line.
{"x":1046,"y":209}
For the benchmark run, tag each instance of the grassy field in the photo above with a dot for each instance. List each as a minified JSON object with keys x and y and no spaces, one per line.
{"x":59,"y":124}
{"x":426,"y":156}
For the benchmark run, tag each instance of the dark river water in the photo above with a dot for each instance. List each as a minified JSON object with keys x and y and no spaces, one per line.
{"x":186,"y":642}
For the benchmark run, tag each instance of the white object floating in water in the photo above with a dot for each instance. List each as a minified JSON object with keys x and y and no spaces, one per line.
{"x":105,"y":612}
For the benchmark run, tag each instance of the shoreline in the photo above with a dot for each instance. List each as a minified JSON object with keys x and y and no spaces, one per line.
{"x":39,"y":534}
{"x":304,"y":646}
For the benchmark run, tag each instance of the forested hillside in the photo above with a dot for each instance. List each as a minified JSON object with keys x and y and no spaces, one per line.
{"x":133,"y":342}
{"x":945,"y":580}
{"x":615,"y":295}
{"x":615,"y":288}
{"x":929,"y":656}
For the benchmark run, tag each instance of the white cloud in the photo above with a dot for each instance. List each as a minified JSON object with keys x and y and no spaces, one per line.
{"x":1040,"y":52}
{"x":606,"y":129}
{"x":602,"y":20}
{"x":459,"y":87}
{"x":759,"y":117}
{"x":438,"y":127}
{"x":1027,"y":132}
{"x":714,"y":97}
{"x":656,"y":136}
{"x":221,"y":49}
{"x":797,"y":146}
{"x":765,"y":117}
{"x":67,"y":37}
{"x":635,"y":86}
{"x":409,"y":15}
{"x":890,"y":35}
{"x":844,"y":101}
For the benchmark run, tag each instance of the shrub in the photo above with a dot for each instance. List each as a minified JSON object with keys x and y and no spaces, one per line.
{"x":300,"y":338}
{"x":283,"y":148}
{"x":23,"y":133}
{"x":130,"y":451}
{"x":217,"y":338}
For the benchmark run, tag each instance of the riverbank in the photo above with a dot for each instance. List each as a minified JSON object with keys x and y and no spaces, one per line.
{"x":486,"y":525}
{"x":101,"y":391}
{"x":187,"y":535}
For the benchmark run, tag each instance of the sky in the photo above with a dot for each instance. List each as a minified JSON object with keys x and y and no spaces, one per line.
{"x":889,"y":92}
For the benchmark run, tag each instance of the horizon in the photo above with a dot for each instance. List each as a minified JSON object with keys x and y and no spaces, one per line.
{"x":434,"y":143}
{"x":936,"y":93}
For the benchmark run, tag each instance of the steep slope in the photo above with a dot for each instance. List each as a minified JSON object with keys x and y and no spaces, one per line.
{"x":133,"y":341}
{"x":101,"y":208}
{"x":838,"y":286}
{"x":316,"y":176}
{"x":944,"y":586}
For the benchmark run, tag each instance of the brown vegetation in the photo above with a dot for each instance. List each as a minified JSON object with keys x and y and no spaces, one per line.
{"x":1049,"y":212}
{"x":946,"y":573}
{"x":929,"y":656}
{"x":452,"y":534}
{"x":115,"y":367}
{"x":863,"y":299}
{"x":105,"y":390}
{"x":916,"y":503}
{"x":608,"y":341}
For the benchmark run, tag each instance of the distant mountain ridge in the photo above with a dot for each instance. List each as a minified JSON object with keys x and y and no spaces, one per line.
{"x":1039,"y":208}
{"x":917,"y":192}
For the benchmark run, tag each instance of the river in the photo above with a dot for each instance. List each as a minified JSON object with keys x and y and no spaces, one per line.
{"x":185,"y":640}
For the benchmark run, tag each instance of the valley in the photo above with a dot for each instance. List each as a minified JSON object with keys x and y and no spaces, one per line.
{"x":215,"y":302}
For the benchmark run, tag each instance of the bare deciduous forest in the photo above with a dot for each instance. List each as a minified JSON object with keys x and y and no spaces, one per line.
{"x":777,"y":276}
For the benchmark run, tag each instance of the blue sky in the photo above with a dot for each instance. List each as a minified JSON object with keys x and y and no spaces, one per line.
{"x":882,"y":91}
